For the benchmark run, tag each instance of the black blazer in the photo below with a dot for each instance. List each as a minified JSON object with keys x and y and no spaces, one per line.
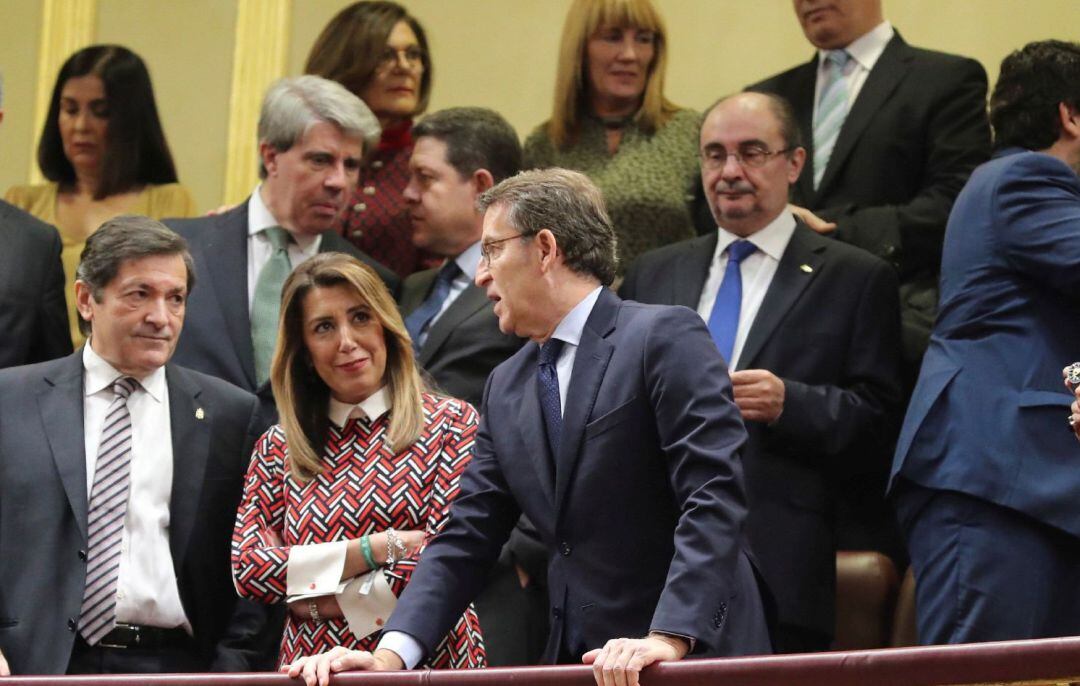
{"x":217,"y":327}
{"x":43,"y":508}
{"x":33,"y":316}
{"x":464,"y":344}
{"x":642,"y":520}
{"x":828,"y":327}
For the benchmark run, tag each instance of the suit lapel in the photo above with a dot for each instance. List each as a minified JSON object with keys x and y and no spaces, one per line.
{"x":880,"y":83}
{"x":799,"y":265}
{"x":61,"y":404}
{"x":531,"y":424}
{"x":692,"y":271}
{"x":590,"y":364}
{"x":464,"y":306}
{"x":190,"y":421}
{"x":416,"y":290}
{"x":802,"y":102}
{"x":225,"y":257}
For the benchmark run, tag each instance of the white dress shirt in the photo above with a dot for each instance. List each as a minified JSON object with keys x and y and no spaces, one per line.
{"x":569,"y":332}
{"x":260,"y":248}
{"x":146,"y":590}
{"x":757,"y":272}
{"x":865,"y":51}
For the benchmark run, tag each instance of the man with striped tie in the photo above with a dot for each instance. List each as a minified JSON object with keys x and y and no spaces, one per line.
{"x":119,"y":480}
{"x":808,"y":327}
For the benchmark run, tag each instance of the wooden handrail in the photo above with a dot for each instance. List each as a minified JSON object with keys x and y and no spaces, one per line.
{"x":1047,"y":661}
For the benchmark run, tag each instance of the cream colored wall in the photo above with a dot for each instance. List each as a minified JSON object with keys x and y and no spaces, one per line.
{"x":495,"y":53}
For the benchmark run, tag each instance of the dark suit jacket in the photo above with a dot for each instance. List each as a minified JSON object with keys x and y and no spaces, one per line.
{"x":33,"y":316}
{"x":643,"y":519}
{"x":464,"y":344}
{"x":43,"y":508}
{"x":988,"y":414}
{"x":908,"y":144}
{"x":217,"y":326}
{"x":828,"y":327}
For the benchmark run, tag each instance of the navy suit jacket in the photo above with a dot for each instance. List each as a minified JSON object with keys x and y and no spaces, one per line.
{"x":43,"y":509}
{"x":217,"y":326}
{"x":33,"y":316}
{"x":828,"y":327}
{"x":988,"y":414}
{"x":464,"y":344}
{"x":643,"y":516}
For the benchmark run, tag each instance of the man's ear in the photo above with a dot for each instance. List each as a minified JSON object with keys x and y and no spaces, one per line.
{"x":1070,"y":120}
{"x":482,"y":180}
{"x":549,"y":248}
{"x":83,"y":296}
{"x":268,"y":154}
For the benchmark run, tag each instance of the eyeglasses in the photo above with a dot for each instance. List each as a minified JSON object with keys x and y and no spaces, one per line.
{"x":486,"y":253}
{"x":391,"y":57}
{"x":752,"y":156}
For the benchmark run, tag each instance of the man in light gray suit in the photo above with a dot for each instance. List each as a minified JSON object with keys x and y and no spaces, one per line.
{"x":313,"y":135}
{"x":120,"y":475}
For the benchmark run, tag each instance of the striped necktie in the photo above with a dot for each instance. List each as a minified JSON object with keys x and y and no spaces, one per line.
{"x":105,"y":517}
{"x":831,"y":111}
{"x":419,"y":320}
{"x":266,"y":305}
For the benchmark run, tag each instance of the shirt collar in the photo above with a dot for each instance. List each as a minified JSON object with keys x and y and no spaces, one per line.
{"x":867,"y":48}
{"x":260,"y":217}
{"x":570,"y":328}
{"x":771,"y":240}
{"x":469,"y":260}
{"x":99,"y":375}
{"x":374,"y":406}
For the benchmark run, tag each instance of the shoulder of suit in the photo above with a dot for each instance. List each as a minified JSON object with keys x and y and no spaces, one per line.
{"x":213,"y":385}
{"x":13,"y":219}
{"x":194,"y":227}
{"x":673,"y":251}
{"x":17,"y":379}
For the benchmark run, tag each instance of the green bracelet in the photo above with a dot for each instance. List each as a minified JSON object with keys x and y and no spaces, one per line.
{"x":365,"y":550}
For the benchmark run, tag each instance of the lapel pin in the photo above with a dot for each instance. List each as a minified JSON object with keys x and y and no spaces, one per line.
{"x":806,"y":268}
{"x":199,"y":414}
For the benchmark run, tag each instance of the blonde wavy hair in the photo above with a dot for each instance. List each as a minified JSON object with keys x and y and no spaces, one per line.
{"x":302,"y":396}
{"x":571,"y":79}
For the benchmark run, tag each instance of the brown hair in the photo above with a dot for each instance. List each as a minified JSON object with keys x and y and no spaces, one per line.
{"x":302,"y":396}
{"x":349,"y":48}
{"x":571,"y":78}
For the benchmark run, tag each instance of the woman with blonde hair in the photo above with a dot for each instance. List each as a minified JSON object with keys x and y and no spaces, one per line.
{"x":379,"y":52}
{"x":611,"y":121}
{"x":342,"y":495}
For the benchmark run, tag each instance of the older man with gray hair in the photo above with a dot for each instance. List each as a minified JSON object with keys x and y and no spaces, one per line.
{"x":313,"y":136}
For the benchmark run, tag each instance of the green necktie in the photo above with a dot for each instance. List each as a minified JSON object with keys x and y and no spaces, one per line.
{"x":266,"y":306}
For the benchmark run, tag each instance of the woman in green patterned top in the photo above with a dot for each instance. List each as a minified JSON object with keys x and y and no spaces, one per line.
{"x":611,"y":121}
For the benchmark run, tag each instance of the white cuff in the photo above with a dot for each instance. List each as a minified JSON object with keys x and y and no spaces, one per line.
{"x":367,"y":601}
{"x":315,"y":569}
{"x":405,"y":646}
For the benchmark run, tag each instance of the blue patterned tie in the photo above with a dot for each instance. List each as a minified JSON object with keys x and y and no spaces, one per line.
{"x":724,"y":319}
{"x":548,"y":388}
{"x":419,"y":319}
{"x":831,"y":111}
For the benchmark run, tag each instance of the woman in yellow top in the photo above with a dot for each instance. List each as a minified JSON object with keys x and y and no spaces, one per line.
{"x":104,"y":153}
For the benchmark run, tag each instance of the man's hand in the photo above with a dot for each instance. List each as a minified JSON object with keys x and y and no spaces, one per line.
{"x":812,"y":220}
{"x":315,"y":670}
{"x":326,"y":605}
{"x":759,"y":394}
{"x":4,"y":669}
{"x":621,"y":660}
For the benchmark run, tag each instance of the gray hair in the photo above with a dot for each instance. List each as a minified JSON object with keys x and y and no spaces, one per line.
{"x":569,"y":205}
{"x":122,"y":239}
{"x":293,"y":105}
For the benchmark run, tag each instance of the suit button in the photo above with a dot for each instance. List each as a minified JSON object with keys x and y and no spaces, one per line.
{"x":72,"y":624}
{"x":565,"y":549}
{"x":82,"y":555}
{"x":556,"y":613}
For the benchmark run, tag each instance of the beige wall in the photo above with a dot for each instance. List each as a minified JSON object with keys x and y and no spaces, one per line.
{"x":496,"y":53}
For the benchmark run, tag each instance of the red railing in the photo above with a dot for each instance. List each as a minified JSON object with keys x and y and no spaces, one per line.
{"x":1050,"y":661}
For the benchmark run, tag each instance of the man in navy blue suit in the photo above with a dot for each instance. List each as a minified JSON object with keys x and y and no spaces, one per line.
{"x":985,"y":475}
{"x":615,"y":432}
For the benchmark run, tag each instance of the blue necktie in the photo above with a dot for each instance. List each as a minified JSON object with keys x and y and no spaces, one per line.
{"x":724,"y":320}
{"x":419,"y":319}
{"x":548,"y":388}
{"x":831,"y":111}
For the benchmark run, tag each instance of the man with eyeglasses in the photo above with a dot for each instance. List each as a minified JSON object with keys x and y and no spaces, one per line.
{"x":809,"y":328}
